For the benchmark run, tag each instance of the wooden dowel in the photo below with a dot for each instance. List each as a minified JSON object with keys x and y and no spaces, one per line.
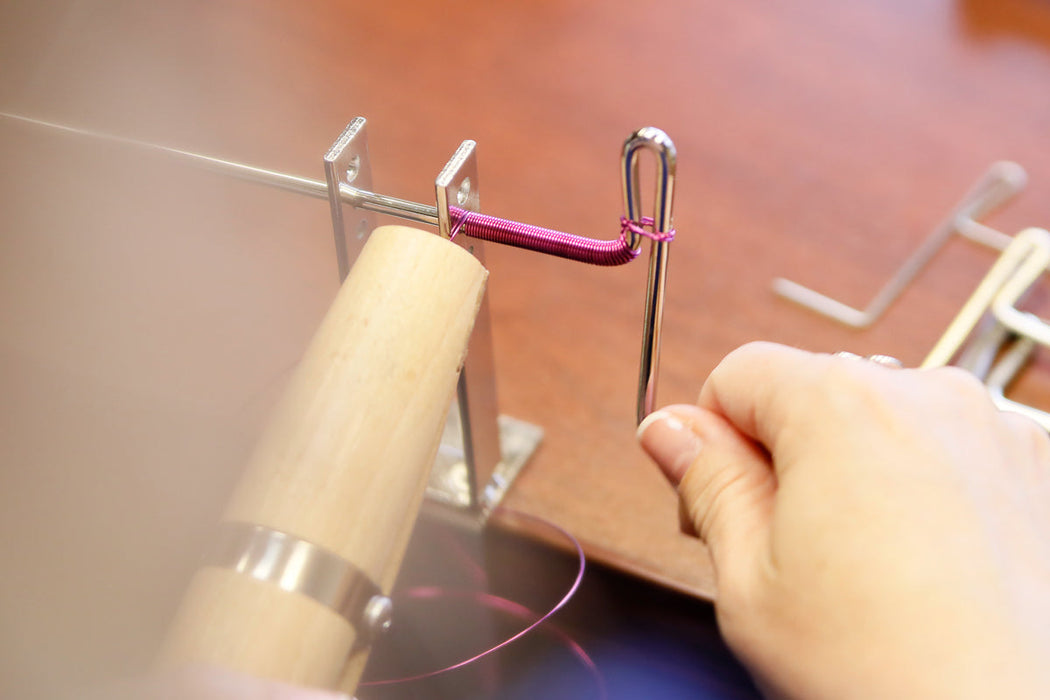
{"x":344,"y":461}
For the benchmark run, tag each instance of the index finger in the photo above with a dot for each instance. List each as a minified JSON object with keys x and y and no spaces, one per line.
{"x":760,"y":386}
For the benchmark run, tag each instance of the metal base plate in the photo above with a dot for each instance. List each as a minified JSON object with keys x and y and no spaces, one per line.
{"x":449,"y":483}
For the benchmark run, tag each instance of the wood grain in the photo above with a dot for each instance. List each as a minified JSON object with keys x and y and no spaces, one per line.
{"x":344,"y":461}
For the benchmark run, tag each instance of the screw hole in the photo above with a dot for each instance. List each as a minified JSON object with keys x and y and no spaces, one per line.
{"x":352,"y":168}
{"x":463,"y":195}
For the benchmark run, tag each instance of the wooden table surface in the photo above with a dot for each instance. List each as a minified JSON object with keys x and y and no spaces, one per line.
{"x":149,"y":313}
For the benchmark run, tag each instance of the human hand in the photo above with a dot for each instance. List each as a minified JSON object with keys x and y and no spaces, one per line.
{"x":875,"y":532}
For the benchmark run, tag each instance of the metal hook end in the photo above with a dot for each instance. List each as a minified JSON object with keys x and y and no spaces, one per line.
{"x":659,"y":143}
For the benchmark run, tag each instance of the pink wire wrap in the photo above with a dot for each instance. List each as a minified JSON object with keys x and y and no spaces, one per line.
{"x":638,"y":227}
{"x":592,"y":251}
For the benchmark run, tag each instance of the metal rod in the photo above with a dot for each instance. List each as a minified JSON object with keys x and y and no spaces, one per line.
{"x":379,"y":203}
{"x":385,"y":204}
{"x":582,"y":249}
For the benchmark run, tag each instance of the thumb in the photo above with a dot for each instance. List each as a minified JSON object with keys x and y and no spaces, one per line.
{"x":725,"y":482}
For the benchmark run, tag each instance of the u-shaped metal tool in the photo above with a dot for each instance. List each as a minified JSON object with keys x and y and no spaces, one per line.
{"x":654,"y":140}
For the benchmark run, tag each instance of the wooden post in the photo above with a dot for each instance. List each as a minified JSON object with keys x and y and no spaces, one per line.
{"x":344,"y":461}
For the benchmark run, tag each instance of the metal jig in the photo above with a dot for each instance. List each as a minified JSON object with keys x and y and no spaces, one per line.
{"x":348,"y":182}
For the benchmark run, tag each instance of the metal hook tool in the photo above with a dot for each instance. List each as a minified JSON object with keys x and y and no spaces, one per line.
{"x":1023,"y":261}
{"x":1002,"y":181}
{"x":656,"y":141}
{"x":1004,"y":372}
{"x":1017,"y":269}
{"x":1004,"y":306}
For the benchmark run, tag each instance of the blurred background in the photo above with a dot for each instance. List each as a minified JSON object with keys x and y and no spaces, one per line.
{"x":150,"y":312}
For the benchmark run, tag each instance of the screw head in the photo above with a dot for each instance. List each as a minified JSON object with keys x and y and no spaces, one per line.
{"x":463,"y":194}
{"x":378,"y":615}
{"x":353,"y":167}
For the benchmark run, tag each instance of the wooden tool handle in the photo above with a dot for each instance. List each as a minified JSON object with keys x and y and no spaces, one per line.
{"x":344,"y":462}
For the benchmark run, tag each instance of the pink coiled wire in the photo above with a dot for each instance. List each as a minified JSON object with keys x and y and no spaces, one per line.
{"x":563,"y":245}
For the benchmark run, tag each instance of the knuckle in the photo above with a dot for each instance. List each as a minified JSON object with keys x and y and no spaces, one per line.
{"x":741,"y":356}
{"x":846,"y":387}
{"x":958,"y":381}
{"x":1029,"y":433}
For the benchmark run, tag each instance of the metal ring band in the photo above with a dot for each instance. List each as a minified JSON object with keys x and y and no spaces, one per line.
{"x":297,"y":566}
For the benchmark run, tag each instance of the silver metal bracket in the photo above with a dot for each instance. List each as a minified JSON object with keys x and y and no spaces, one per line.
{"x":346,"y":163}
{"x":481,"y":452}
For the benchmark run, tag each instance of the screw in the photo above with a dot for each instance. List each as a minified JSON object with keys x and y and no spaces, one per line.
{"x":378,"y":615}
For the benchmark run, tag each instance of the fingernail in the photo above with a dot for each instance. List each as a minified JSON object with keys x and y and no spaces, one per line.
{"x":670,"y":442}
